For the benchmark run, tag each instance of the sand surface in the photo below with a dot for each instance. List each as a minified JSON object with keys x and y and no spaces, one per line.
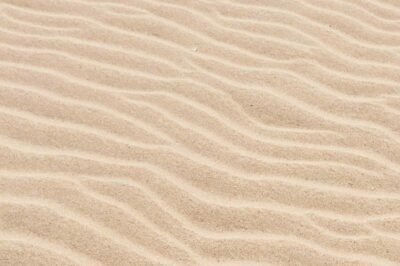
{"x":207,"y":132}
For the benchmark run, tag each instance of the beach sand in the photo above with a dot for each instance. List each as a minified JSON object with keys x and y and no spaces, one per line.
{"x":199,"y":132}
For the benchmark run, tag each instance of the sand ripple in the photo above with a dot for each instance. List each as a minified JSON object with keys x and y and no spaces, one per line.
{"x":229,"y":132}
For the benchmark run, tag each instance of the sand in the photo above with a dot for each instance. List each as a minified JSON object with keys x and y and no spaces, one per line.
{"x":183,"y":132}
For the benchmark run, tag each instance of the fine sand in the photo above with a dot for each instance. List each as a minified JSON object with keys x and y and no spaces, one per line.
{"x":199,"y":132}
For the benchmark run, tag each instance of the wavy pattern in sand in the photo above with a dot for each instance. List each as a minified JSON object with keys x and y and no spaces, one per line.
{"x":229,"y":132}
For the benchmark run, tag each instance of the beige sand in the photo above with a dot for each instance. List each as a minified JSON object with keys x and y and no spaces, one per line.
{"x":199,"y":132}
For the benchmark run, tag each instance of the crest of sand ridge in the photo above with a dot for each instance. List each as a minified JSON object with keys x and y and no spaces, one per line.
{"x":229,"y":132}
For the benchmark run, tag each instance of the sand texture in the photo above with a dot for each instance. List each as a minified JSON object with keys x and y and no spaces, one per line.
{"x":199,"y":132}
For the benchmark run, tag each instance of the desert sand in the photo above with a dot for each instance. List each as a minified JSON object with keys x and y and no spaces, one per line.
{"x":199,"y":132}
